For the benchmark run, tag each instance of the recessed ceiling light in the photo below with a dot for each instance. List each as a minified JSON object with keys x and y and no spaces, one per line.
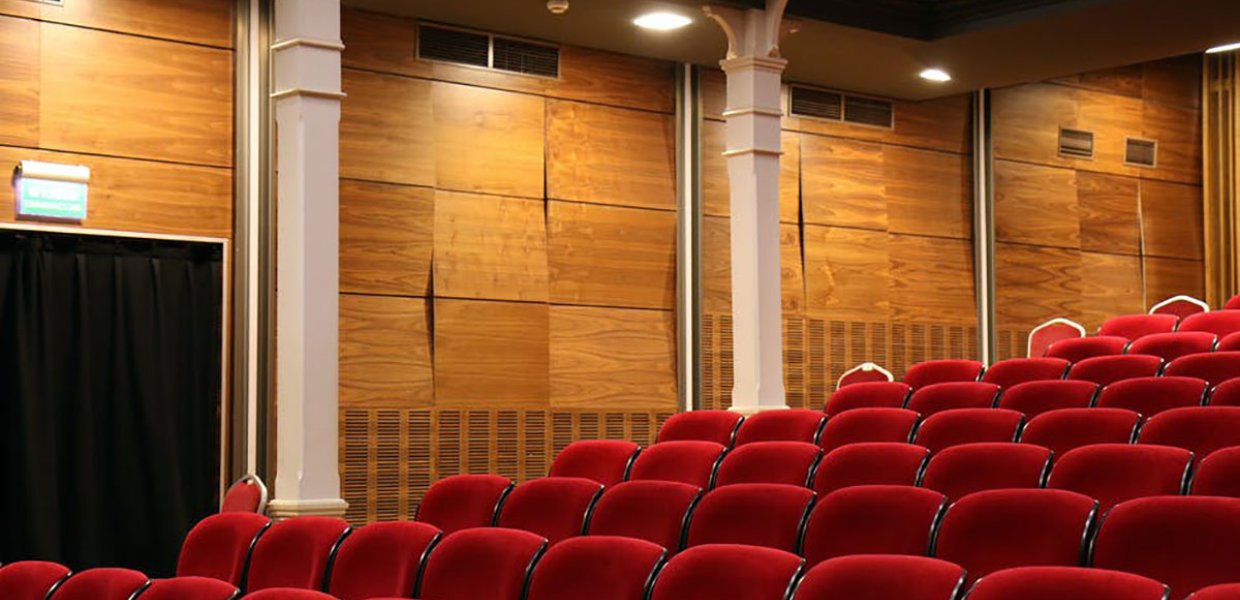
{"x":662,"y":21}
{"x":935,"y":75}
{"x":1224,"y":48}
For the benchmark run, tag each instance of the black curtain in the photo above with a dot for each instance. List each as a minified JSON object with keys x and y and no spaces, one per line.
{"x":109,"y":397}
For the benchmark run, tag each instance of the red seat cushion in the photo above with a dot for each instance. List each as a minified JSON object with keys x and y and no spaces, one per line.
{"x":1214,"y":367}
{"x":769,"y":462}
{"x":31,"y":579}
{"x":1134,"y":327}
{"x":729,"y":571}
{"x":189,"y":588}
{"x":883,"y":394}
{"x":556,"y":508}
{"x":1036,"y":397}
{"x":1081,"y":348}
{"x":1201,"y":429}
{"x":1007,"y":373}
{"x":1065,"y":583}
{"x":655,"y":511}
{"x":1152,"y":395}
{"x":219,"y":545}
{"x":596,"y":567}
{"x":604,"y":461}
{"x":717,"y":426}
{"x":101,"y":584}
{"x":1224,"y":591}
{"x":873,"y":519}
{"x":878,"y":577}
{"x":1105,"y":370}
{"x":294,"y":553}
{"x":793,"y":425}
{"x":688,"y":462}
{"x":1171,"y":346}
{"x":969,"y":426}
{"x":871,"y":463}
{"x":756,"y":514}
{"x":868,"y":425}
{"x":939,"y":397}
{"x":1113,"y":473}
{"x":486,"y":562}
{"x":1218,"y":474}
{"x":288,"y":594}
{"x":960,"y":470}
{"x":381,"y":559}
{"x":1064,"y":429}
{"x":463,"y":501}
{"x":242,"y":496}
{"x":938,"y":371}
{"x":1219,"y":322}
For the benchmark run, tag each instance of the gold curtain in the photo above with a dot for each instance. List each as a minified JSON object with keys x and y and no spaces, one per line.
{"x":1222,"y":206}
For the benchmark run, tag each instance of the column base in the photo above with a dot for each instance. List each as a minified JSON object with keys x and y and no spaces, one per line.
{"x":280,"y":509}
{"x":749,"y":411}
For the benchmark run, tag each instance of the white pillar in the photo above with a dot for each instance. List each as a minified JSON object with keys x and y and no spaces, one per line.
{"x":307,"y":97}
{"x":754,"y":69}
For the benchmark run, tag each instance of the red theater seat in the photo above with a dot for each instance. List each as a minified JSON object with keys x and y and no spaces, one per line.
{"x":1170,"y":346}
{"x":1066,"y":583}
{"x":1053,"y":331}
{"x":868,"y":395}
{"x":1201,"y":429}
{"x":688,"y":462}
{"x":791,"y":463}
{"x":1214,"y":367}
{"x":955,"y":394}
{"x":1218,"y":474}
{"x":1105,"y":370}
{"x":100,"y":584}
{"x":940,"y":371}
{"x":1078,"y":349}
{"x":31,"y":579}
{"x":866,"y":372}
{"x":1229,"y":343}
{"x":793,"y":425}
{"x":655,"y":511}
{"x":868,"y":425}
{"x":1233,"y":303}
{"x":871,"y":463}
{"x":1226,"y":393}
{"x":605,"y":461}
{"x":381,"y":560}
{"x":487,"y":562}
{"x":1114,"y":473}
{"x":961,"y":470}
{"x":1181,"y":306}
{"x":556,"y":508}
{"x":1152,"y":395}
{"x":188,"y":588}
{"x":1187,"y":542}
{"x":288,"y":594}
{"x":756,"y":514}
{"x":728,"y":571}
{"x":1135,"y":327}
{"x":598,"y":568}
{"x":879,"y":577}
{"x":1036,"y":397}
{"x":1013,"y":371}
{"x":1000,"y":529}
{"x":1219,"y":322}
{"x":247,"y":494}
{"x":294,"y":553}
{"x":718,"y":426}
{"x":1225,"y":591}
{"x":1064,"y":429}
{"x":219,"y":546}
{"x":969,"y":426}
{"x":463,"y":501}
{"x":873,"y":519}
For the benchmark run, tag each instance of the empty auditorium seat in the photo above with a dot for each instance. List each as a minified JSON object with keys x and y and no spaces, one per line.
{"x":1232,"y":303}
{"x":294,"y":553}
{"x":598,"y":568}
{"x":381,"y":560}
{"x":188,"y":588}
{"x":1180,"y":306}
{"x":1186,"y":542}
{"x":1223,"y":591}
{"x":968,"y":426}
{"x":1007,"y":373}
{"x":1135,"y":327}
{"x":556,"y":508}
{"x":1221,"y":323}
{"x":866,"y":372}
{"x":717,"y":426}
{"x":757,"y":514}
{"x":463,"y":501}
{"x":655,"y":511}
{"x":868,"y":425}
{"x":1046,"y":335}
{"x":999,"y":529}
{"x":1228,"y":343}
{"x":873,"y":519}
{"x":100,"y":584}
{"x":1201,"y":429}
{"x":961,"y":470}
{"x":729,"y":571}
{"x":30,"y":579}
{"x":605,"y":461}
{"x":938,"y":397}
{"x":485,"y":562}
{"x":219,"y":546}
{"x":1170,"y":346}
{"x":1066,"y":583}
{"x":247,"y":494}
{"x":940,"y":371}
{"x":1064,"y":429}
{"x":288,"y":594}
{"x":870,"y":463}
{"x":1113,"y":473}
{"x":882,"y":394}
{"x":793,"y":425}
{"x":1218,"y":474}
{"x":1152,"y":395}
{"x":1226,"y":393}
{"x":1036,"y":397}
{"x":791,"y":463}
{"x":879,"y":577}
{"x":1078,"y":349}
{"x":685,"y":461}
{"x":1214,"y":367}
{"x":1105,"y":370}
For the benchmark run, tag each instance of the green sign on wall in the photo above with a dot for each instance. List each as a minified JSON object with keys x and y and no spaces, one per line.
{"x":52,"y":191}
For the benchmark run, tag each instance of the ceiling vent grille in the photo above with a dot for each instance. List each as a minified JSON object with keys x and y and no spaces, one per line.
{"x":485,"y":50}
{"x":823,"y":104}
{"x":1141,"y":153}
{"x":837,"y":106}
{"x":1076,"y":143}
{"x":526,"y":58}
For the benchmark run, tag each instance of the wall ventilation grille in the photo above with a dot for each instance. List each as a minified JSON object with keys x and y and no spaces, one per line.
{"x":1141,"y":153}
{"x":822,"y":104}
{"x":1076,"y":143}
{"x":836,"y":106}
{"x":486,"y":50}
{"x":526,"y":58}
{"x":868,"y":111}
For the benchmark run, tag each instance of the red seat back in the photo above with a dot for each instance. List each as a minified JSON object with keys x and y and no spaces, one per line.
{"x":939,"y":397}
{"x":879,"y":577}
{"x":1170,"y":346}
{"x":717,"y":426}
{"x":100,"y":584}
{"x":1049,"y":333}
{"x":381,"y":560}
{"x":1180,"y":306}
{"x":961,"y":470}
{"x":1036,"y":397}
{"x":871,"y":463}
{"x":1066,"y":583}
{"x":219,"y":546}
{"x":189,"y":588}
{"x":294,"y":553}
{"x":1229,"y":343}
{"x":873,"y":519}
{"x":1152,"y":395}
{"x":486,"y":562}
{"x":1214,"y":367}
{"x":597,"y":567}
{"x":939,"y":371}
{"x":886,"y":394}
{"x":605,"y":461}
{"x":463,"y":501}
{"x":969,"y":426}
{"x":1223,"y":591}
{"x":1218,"y":474}
{"x":1135,"y":327}
{"x":31,"y":579}
{"x":556,"y":508}
{"x":793,"y":425}
{"x":756,"y":514}
{"x":1067,"y":428}
{"x":247,"y":494}
{"x":288,"y":594}
{"x":866,"y":372}
{"x":1105,"y":370}
{"x":1221,"y":323}
{"x":655,"y":511}
{"x":868,"y":425}
{"x":1081,"y":348}
{"x":1201,"y":429}
{"x":729,"y":571}
{"x":693,"y":463}
{"x":1113,"y":473}
{"x":790,"y":463}
{"x":1007,"y":373}
{"x":1226,"y":393}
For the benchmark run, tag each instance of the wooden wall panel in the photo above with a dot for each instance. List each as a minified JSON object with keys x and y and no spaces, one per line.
{"x":611,"y":256}
{"x":843,"y":183}
{"x":386,"y":234}
{"x":717,"y":267}
{"x":386,"y":129}
{"x":378,"y":42}
{"x":602,"y":358}
{"x":939,"y":124}
{"x":792,"y":270}
{"x":122,"y":95}
{"x":1036,"y":205}
{"x":1110,"y":285}
{"x":1178,"y":132}
{"x":1107,"y":205}
{"x":385,"y":352}
{"x":610,"y":156}
{"x":1112,"y":119}
{"x":928,"y":192}
{"x":490,"y":354}
{"x":490,"y":247}
{"x":488,"y":141}
{"x":931,"y":280}
{"x":1172,"y":216}
{"x":1033,"y":284}
{"x":1026,"y":121}
{"x":847,"y":273}
{"x":19,"y":82}
{"x":1122,"y":81}
{"x":206,"y":22}
{"x":1175,"y":81}
{"x":1167,"y":277}
{"x":716,"y":188}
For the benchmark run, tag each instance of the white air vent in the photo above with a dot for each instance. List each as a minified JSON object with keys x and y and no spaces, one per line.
{"x":1076,"y":143}
{"x":1140,"y":153}
{"x":838,"y":106}
{"x":479,"y":49}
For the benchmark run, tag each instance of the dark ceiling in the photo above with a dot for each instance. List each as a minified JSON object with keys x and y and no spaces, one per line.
{"x":921,"y":19}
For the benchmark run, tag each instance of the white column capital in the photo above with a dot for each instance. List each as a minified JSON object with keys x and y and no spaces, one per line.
{"x":753,"y":32}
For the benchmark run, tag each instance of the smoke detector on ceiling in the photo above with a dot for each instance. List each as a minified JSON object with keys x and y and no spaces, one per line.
{"x":557,"y":7}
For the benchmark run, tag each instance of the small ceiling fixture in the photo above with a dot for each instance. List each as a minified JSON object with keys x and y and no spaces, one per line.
{"x":557,"y":7}
{"x":938,"y":75}
{"x":662,"y":21}
{"x":1224,"y":48}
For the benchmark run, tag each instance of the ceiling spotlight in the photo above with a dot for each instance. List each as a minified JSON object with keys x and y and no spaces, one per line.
{"x":938,"y":75}
{"x":557,"y":7}
{"x":1224,"y":48}
{"x":662,"y":21}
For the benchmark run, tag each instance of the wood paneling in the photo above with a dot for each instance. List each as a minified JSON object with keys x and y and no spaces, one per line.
{"x":127,"y":96}
{"x":1167,"y":277}
{"x":385,"y":352}
{"x":792,"y":271}
{"x":1026,"y":121}
{"x":602,"y":358}
{"x":488,"y":141}
{"x":1178,"y":132}
{"x":1174,"y":81}
{"x":1112,"y":119}
{"x":382,"y":43}
{"x":615,"y":79}
{"x":1108,"y":212}
{"x":717,"y":267}
{"x":611,"y":256}
{"x":1172,"y":216}
{"x":1033,"y":284}
{"x":207,"y":22}
{"x":928,"y":192}
{"x":716,"y":187}
{"x":492,"y":354}
{"x":386,"y":234}
{"x":610,"y":156}
{"x":1110,"y":285}
{"x":19,"y":82}
{"x":490,"y":247}
{"x":847,"y":273}
{"x":843,"y":183}
{"x":931,"y":280}
{"x":940,"y":124}
{"x":1123,"y":81}
{"x":1036,"y":205}
{"x":386,"y":129}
